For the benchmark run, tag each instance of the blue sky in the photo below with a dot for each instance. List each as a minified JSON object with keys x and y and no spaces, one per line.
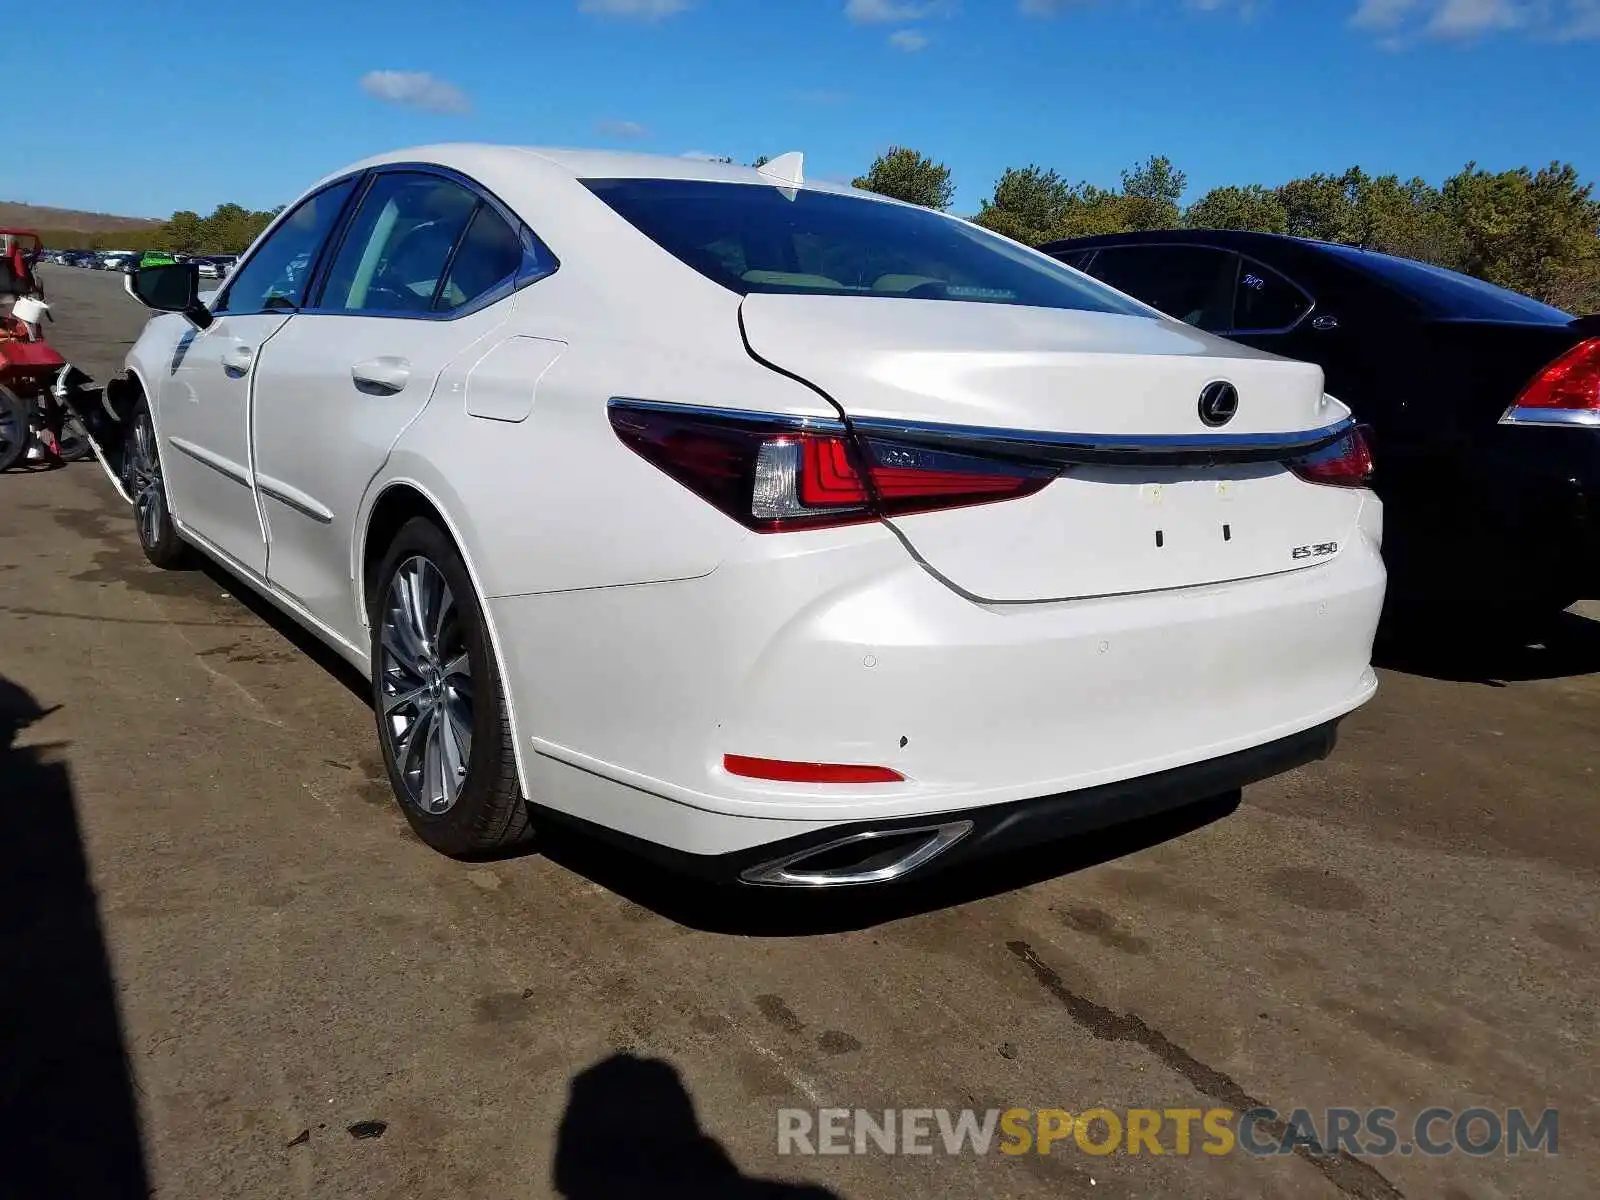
{"x":208,"y":102}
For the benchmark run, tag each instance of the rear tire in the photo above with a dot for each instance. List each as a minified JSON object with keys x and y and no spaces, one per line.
{"x":142,"y":477}
{"x":439,"y":701}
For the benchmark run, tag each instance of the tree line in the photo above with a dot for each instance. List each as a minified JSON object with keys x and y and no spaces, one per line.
{"x":1534,"y":231}
{"x":229,"y":229}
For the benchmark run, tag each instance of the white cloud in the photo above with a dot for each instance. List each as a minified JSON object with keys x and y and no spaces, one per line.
{"x":622,"y":129}
{"x":885,"y":12}
{"x":1054,"y":8}
{"x":908,"y":40}
{"x":415,"y":89}
{"x":636,"y":10}
{"x":1403,"y":22}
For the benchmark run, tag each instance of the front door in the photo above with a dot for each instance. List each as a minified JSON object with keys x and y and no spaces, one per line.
{"x":203,"y":414}
{"x":423,"y":274}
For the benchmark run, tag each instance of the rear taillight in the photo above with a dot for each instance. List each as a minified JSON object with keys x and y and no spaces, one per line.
{"x":1344,"y":463}
{"x":1571,"y":382}
{"x":772,"y":473}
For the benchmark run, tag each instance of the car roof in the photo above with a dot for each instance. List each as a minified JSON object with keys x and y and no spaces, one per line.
{"x":1211,"y":237}
{"x":477,"y":159}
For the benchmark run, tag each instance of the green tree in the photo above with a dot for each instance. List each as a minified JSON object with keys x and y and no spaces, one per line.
{"x":1151,"y":192}
{"x":1322,"y":206}
{"x":904,"y":174}
{"x":183,"y":232}
{"x":1536,"y":232}
{"x":1029,"y":204}
{"x":1251,"y":207}
{"x":760,"y":161}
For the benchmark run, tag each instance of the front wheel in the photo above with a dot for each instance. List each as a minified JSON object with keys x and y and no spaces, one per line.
{"x":142,"y":479}
{"x":437,"y":696}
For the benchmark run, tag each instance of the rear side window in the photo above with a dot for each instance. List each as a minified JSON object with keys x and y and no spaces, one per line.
{"x":488,"y":259}
{"x":1444,"y":293}
{"x":758,"y":238}
{"x":1195,"y":284}
{"x":278,"y":272}
{"x":1265,"y":300}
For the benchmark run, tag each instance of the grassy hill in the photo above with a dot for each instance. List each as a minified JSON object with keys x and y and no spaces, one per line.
{"x":64,"y":227}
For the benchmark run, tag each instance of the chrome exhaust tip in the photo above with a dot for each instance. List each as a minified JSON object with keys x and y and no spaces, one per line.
{"x":873,"y":856}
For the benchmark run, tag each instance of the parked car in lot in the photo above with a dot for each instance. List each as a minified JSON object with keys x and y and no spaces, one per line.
{"x":1484,"y":404}
{"x":216,"y":266}
{"x":794,"y":536}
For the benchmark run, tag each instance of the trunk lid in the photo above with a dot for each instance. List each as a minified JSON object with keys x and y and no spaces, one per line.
{"x":1148,"y":521}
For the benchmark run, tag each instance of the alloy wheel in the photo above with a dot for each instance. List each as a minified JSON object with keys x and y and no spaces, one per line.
{"x":144,"y":479}
{"x":425,"y":686}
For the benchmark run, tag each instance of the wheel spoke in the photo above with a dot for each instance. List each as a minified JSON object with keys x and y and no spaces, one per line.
{"x":437,"y":793}
{"x":401,"y":643}
{"x":412,"y":743}
{"x":403,"y":699}
{"x":414,"y":608}
{"x":458,"y":738}
{"x":441,"y":615}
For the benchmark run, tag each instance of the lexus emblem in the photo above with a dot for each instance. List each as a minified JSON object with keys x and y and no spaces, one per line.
{"x":1218,"y":402}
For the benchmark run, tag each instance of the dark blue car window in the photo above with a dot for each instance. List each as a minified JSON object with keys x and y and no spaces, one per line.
{"x":1443,"y":293}
{"x":750,"y":237}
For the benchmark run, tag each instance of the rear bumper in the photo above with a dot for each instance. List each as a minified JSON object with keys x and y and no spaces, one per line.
{"x":838,"y":648}
{"x":989,"y":830}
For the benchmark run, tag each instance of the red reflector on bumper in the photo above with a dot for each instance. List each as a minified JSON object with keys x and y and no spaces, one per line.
{"x":800,"y":772}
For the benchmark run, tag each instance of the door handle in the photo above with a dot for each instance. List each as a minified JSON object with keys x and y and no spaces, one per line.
{"x":386,"y":374}
{"x":238,"y":358}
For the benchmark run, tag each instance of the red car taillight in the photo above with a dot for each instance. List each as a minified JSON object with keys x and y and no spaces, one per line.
{"x":1344,"y":463}
{"x":1571,"y":382}
{"x":771,"y":474}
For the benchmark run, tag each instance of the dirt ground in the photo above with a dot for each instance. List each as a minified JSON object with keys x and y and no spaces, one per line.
{"x":223,"y":950}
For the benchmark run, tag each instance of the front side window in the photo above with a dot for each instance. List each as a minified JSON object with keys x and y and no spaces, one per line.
{"x":278,"y":272}
{"x":395,"y":254}
{"x":1265,"y":300}
{"x":759,"y":238}
{"x":1195,"y":284}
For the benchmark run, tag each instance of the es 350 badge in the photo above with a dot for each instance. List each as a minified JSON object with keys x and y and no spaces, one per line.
{"x":1319,"y":550}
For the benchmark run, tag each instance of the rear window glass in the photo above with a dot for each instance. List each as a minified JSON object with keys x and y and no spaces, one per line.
{"x":756,"y":238}
{"x":1445,"y":293}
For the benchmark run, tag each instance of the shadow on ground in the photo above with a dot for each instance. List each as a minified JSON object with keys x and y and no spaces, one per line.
{"x":630,"y":1129}
{"x":69,"y":1122}
{"x":1566,"y":646}
{"x":782,"y":912}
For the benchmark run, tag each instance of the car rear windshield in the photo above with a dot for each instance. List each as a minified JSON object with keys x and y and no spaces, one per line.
{"x":754,"y":238}
{"x":1443,"y":293}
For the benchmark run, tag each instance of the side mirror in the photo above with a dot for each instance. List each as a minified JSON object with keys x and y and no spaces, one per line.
{"x":170,"y":287}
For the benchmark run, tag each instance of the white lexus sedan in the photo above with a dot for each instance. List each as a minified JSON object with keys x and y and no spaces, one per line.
{"x":787,"y":533}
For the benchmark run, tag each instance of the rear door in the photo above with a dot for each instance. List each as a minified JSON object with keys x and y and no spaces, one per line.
{"x":423,"y":274}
